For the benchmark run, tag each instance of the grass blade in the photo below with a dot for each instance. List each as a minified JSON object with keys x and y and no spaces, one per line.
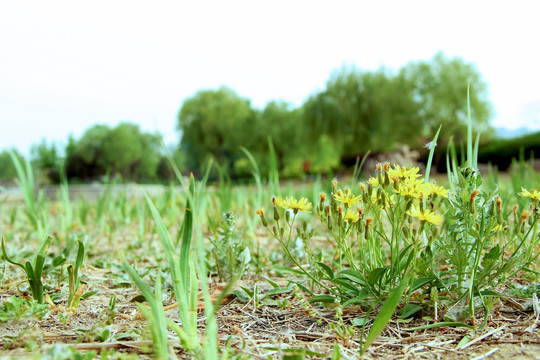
{"x":386,"y":312}
{"x":441,"y":324}
{"x":431,"y":153}
{"x":469,"y":130}
{"x":187,"y":232}
{"x":158,"y":321}
{"x":8,"y":259}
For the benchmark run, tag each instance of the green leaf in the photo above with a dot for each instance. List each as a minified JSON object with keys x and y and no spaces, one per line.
{"x":336,"y":355}
{"x":360,"y":322}
{"x":41,"y":255}
{"x":431,"y":153}
{"x":354,"y":276}
{"x":409,"y":310}
{"x":57,"y":261}
{"x":278,"y":291}
{"x":359,"y":299}
{"x":87,"y":294}
{"x":344,"y":282}
{"x":271,"y":282}
{"x":322,"y":299}
{"x":418,"y":283}
{"x":386,"y":312}
{"x":287,"y":270}
{"x":326,"y":269}
{"x":241,"y":295}
{"x":248,"y":291}
{"x":187,"y":233}
{"x":80,"y":257}
{"x":138,"y":298}
{"x":294,"y":352}
{"x":304,"y":289}
{"x":8,"y":259}
{"x":464,"y":340}
{"x":375,"y":275}
{"x":441,"y":324}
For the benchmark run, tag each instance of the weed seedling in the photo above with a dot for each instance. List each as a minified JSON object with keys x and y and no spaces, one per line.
{"x":33,"y":269}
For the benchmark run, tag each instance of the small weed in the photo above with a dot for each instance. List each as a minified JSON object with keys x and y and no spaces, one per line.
{"x":230,"y":254}
{"x":19,"y":308}
{"x":33,"y":269}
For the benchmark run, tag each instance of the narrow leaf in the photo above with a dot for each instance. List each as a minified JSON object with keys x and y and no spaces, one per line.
{"x":386,"y":312}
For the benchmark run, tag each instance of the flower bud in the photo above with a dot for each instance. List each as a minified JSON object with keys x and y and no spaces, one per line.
{"x":260,"y":212}
{"x":368,"y":221}
{"x":323,"y":199}
{"x":472,"y":207}
{"x":524,"y":215}
{"x":276,"y":212}
{"x":405,"y":231}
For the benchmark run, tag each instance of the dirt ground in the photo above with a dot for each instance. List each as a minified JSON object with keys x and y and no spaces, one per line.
{"x":510,"y":333}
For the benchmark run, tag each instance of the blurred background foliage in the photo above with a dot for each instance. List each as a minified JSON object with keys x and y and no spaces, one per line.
{"x":357,"y":111}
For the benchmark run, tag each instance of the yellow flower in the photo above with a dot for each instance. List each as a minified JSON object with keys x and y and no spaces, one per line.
{"x":426,"y":215}
{"x":351,"y":215}
{"x":404,"y":172}
{"x":347,"y":197}
{"x":373,"y":181}
{"x":291,"y":203}
{"x":432,"y":189}
{"x":533,"y":194}
{"x":412,"y":187}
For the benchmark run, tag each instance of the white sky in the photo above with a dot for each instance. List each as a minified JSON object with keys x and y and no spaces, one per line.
{"x":67,"y":65}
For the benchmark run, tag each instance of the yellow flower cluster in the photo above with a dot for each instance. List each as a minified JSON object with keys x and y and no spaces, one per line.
{"x":426,"y":215}
{"x":351,"y":215}
{"x":404,"y":172}
{"x":347,"y":197}
{"x":407,"y":182}
{"x":412,"y":187}
{"x":533,"y":194}
{"x":290,"y":203}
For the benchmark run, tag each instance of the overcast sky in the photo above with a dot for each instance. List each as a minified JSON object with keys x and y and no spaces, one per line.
{"x":67,"y":65}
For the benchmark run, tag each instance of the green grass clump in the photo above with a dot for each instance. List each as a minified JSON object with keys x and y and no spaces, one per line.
{"x":33,"y":269}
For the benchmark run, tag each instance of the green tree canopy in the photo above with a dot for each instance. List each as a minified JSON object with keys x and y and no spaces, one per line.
{"x":441,"y":93}
{"x":363,"y":111}
{"x":215,"y":123}
{"x":281,"y":122}
{"x":47,"y":159}
{"x":124,"y":150}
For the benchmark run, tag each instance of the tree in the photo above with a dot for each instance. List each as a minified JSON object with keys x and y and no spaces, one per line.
{"x":130,"y":152}
{"x":215,"y":123}
{"x":85,"y":160}
{"x":361,"y":111}
{"x":281,"y":122}
{"x":47,"y":159}
{"x":123,"y":150}
{"x":441,"y":93}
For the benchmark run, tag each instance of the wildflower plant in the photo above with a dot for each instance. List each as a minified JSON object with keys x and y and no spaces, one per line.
{"x":376,"y":231}
{"x":480,"y":247}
